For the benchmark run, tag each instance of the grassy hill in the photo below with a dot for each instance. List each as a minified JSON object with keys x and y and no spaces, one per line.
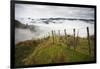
{"x":47,"y":51}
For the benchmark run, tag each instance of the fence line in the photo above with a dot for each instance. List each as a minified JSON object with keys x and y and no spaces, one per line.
{"x":57,"y":37}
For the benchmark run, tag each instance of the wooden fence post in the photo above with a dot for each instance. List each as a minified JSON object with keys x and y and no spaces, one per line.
{"x":65,"y":36}
{"x":65,"y":33}
{"x":53,"y":36}
{"x":77,"y":40}
{"x":59,"y":35}
{"x":74,"y":38}
{"x":59,"y":32}
{"x":88,"y":40}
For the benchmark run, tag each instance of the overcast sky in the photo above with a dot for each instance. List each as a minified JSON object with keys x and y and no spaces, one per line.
{"x":45,"y":11}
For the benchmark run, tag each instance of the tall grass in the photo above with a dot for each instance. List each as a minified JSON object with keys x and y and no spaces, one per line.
{"x":45,"y":51}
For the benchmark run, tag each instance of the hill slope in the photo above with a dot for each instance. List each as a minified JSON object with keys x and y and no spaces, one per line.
{"x":44,"y":51}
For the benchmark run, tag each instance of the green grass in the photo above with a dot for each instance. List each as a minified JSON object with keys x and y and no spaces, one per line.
{"x":55,"y":54}
{"x":22,"y":50}
{"x":44,"y":51}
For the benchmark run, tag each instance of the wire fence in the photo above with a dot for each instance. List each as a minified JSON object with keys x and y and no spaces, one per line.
{"x":71,"y":41}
